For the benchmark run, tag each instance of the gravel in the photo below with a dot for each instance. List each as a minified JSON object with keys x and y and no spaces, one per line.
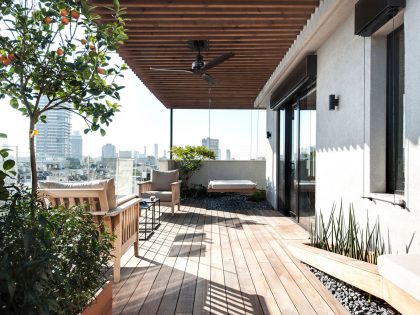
{"x":354,"y":300}
{"x":236,"y":202}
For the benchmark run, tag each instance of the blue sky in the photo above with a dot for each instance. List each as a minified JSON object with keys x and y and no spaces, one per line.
{"x":143,"y":121}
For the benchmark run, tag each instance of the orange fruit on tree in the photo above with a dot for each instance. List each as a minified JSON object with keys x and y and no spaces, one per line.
{"x":11,"y":57}
{"x":83,"y":41}
{"x":64,"y":21}
{"x":75,"y":15}
{"x":64,"y":12}
{"x":101,"y":70}
{"x":47,"y":20}
{"x":60,"y":52}
{"x":6,"y":62}
{"x":2,"y":58}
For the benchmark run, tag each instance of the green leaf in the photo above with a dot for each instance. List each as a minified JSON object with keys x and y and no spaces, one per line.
{"x":8,"y":165}
{"x":4,"y":153}
{"x":103,"y":132}
{"x":3,"y":135}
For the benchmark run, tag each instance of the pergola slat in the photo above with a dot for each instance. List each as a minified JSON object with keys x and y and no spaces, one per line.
{"x":258,"y":32}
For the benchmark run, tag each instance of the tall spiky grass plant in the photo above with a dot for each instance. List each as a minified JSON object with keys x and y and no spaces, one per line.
{"x":347,"y":237}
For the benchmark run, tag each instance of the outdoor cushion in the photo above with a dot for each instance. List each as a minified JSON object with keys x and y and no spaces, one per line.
{"x":232,"y":184}
{"x":162,"y":180}
{"x":164,"y":196}
{"x":107,"y":184}
{"x":402,"y":270}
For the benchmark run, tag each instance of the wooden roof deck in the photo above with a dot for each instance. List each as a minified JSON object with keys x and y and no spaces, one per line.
{"x":258,"y":32}
{"x":203,"y":261}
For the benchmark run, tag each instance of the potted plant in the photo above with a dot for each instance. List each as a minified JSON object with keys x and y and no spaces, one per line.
{"x":52,"y":260}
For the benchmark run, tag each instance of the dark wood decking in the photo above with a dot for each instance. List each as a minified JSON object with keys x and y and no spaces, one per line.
{"x":203,"y":261}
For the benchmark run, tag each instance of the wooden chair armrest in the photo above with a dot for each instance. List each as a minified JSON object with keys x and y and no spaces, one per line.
{"x":144,"y":186}
{"x":176,"y":183}
{"x":123,"y":207}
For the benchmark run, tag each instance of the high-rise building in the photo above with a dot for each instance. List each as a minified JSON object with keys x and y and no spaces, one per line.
{"x":125,"y":154}
{"x":156,"y":155}
{"x":145,"y":151}
{"x":76,"y":145}
{"x":228,"y":155}
{"x":109,"y":151}
{"x":53,"y":140}
{"x":213,"y":145}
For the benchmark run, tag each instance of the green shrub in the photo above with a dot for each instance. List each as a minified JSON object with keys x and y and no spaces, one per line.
{"x":190,"y":159}
{"x":52,"y":260}
{"x":258,"y":196}
{"x":347,"y":238}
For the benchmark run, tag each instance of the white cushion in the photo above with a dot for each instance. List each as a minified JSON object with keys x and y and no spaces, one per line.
{"x":232,"y":184}
{"x":164,"y":196}
{"x":402,"y":270}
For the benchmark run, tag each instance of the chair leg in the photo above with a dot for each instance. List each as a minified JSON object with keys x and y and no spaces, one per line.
{"x":179,"y":206}
{"x":172,"y":209}
{"x":136,"y":247}
{"x":117,"y":269}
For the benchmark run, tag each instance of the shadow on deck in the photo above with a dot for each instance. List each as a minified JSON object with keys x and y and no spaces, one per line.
{"x":203,"y":261}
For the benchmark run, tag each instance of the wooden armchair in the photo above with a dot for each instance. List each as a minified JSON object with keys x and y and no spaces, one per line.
{"x":163,"y":185}
{"x":121,"y":217}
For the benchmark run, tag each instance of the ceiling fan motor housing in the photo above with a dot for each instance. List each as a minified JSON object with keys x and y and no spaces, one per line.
{"x":198,"y":63}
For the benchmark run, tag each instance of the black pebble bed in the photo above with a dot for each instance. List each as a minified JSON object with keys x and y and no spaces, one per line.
{"x":235,"y":202}
{"x":354,"y":300}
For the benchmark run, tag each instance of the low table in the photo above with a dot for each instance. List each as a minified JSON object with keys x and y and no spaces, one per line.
{"x":147,"y":204}
{"x":153,"y":203}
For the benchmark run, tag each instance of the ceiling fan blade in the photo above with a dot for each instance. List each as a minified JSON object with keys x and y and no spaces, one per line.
{"x":217,"y":61}
{"x":209,"y":79}
{"x":172,"y":70}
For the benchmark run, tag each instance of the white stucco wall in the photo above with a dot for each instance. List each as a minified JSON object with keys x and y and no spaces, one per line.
{"x":351,"y":140}
{"x":412,"y":119}
{"x":351,"y":156}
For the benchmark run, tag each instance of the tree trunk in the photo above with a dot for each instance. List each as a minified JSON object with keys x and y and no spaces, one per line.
{"x":32,"y":155}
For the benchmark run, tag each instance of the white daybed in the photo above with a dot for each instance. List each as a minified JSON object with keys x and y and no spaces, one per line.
{"x":239,"y":186}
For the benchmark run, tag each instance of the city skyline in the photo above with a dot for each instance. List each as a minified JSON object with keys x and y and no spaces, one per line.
{"x":144,"y":121}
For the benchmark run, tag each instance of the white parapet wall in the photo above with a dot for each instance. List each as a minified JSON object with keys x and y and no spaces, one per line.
{"x":253,"y":170}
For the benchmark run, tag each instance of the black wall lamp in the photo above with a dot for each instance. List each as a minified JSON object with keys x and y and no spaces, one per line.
{"x":333,"y":104}
{"x":268,"y":134}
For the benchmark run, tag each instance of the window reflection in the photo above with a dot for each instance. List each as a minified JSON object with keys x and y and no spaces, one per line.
{"x":307,"y":157}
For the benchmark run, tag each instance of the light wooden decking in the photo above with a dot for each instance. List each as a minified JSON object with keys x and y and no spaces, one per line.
{"x":220,"y":262}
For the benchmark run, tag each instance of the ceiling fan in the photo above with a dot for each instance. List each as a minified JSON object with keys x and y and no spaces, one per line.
{"x":199,"y":67}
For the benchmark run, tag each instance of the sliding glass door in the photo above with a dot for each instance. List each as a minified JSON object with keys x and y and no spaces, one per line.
{"x":297,"y":172}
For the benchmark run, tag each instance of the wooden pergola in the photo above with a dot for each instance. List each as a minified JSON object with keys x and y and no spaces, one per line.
{"x":258,"y":32}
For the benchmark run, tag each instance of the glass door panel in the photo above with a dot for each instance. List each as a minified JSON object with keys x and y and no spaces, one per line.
{"x":307,"y":156}
{"x":294,"y":162}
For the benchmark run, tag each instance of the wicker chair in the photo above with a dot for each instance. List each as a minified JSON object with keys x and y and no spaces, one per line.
{"x":121,"y":217}
{"x":163,"y":185}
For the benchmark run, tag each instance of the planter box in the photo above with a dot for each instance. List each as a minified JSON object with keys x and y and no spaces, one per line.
{"x":359,"y":274}
{"x":102,"y":303}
